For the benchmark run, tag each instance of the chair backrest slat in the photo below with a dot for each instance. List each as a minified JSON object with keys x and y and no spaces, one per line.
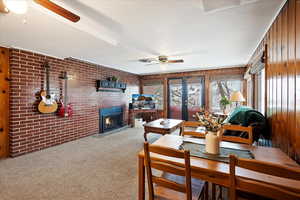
{"x":268,"y":168}
{"x":192,"y":124}
{"x":194,"y":133}
{"x":237,"y":139}
{"x":168,"y":168}
{"x":165,"y":166}
{"x":271,"y":191}
{"x":266,"y":189}
{"x":169,"y":184}
{"x":166,"y":151}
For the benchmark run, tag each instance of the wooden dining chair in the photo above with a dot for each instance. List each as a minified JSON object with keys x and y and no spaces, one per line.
{"x":193,"y":128}
{"x":246,"y":188}
{"x":237,"y":139}
{"x":176,"y":182}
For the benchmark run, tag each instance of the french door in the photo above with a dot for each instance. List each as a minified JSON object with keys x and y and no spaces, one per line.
{"x":185,"y":97}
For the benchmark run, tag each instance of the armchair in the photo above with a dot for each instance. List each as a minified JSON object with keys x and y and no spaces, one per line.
{"x":245,"y":125}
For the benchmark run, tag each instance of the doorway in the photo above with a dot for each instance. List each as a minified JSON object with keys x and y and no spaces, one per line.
{"x":4,"y":102}
{"x":186,"y":96}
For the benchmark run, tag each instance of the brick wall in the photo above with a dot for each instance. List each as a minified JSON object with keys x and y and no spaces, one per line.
{"x":30,"y":130}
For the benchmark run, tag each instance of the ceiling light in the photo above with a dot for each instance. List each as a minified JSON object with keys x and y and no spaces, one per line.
{"x":16,"y":6}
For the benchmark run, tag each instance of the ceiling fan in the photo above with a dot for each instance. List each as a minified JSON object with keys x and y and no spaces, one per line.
{"x":20,"y":7}
{"x":218,"y":5}
{"x":162,"y":59}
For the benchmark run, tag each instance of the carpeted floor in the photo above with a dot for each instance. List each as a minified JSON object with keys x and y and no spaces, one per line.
{"x":92,"y":168}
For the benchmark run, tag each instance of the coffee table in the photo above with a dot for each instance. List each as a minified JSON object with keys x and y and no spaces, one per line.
{"x":168,"y":127}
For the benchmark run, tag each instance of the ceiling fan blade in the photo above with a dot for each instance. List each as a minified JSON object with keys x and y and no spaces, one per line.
{"x":153,"y":63}
{"x":147,"y":60}
{"x":3,"y":8}
{"x":175,"y":61}
{"x":58,"y":10}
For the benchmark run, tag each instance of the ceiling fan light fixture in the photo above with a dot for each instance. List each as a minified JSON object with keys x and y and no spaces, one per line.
{"x":163,"y":59}
{"x":16,"y":6}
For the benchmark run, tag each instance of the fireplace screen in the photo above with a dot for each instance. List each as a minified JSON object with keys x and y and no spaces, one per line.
{"x":110,"y":118}
{"x":111,"y":122}
{"x":108,"y":121}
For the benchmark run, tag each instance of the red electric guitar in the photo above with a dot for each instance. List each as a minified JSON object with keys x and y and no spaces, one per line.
{"x":65,"y":109}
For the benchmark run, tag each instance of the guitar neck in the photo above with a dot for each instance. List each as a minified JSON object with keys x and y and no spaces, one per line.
{"x":47,"y":80}
{"x":66,"y":88}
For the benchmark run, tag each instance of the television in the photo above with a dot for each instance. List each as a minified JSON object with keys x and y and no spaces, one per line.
{"x":143,"y":101}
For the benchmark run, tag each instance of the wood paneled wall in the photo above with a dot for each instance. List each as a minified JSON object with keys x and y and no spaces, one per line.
{"x":4,"y":102}
{"x":282,"y":43}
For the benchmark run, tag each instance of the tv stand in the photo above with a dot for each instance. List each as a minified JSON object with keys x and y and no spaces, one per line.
{"x":134,"y":112}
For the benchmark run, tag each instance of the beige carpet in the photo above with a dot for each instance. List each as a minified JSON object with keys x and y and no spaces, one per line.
{"x":93,"y":168}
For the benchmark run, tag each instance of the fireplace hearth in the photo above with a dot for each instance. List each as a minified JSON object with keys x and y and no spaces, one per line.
{"x":110,"y":118}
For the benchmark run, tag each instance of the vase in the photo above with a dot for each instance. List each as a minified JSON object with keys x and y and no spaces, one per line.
{"x":212,"y":143}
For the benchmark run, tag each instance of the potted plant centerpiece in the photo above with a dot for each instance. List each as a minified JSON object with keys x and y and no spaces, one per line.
{"x":224,"y":102}
{"x":212,"y":125}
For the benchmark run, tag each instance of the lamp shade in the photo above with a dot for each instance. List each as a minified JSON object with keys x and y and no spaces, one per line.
{"x":237,"y":96}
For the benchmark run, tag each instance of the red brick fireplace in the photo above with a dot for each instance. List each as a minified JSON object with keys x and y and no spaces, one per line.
{"x":30,"y":130}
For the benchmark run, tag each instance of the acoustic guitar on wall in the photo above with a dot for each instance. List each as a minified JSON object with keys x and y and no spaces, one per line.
{"x":65,"y":109}
{"x":48,"y":103}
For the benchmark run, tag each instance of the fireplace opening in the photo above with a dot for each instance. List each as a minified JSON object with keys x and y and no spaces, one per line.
{"x":111,"y":118}
{"x":108,"y":121}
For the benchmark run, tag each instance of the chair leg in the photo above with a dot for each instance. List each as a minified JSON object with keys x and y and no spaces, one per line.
{"x":213,"y":191}
{"x":221,"y":191}
{"x":204,"y":192}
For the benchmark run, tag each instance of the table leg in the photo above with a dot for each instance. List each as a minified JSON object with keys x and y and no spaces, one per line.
{"x":141,"y":171}
{"x":181,"y":129}
{"x":145,"y":136}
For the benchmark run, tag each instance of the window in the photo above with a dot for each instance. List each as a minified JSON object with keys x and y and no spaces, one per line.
{"x":249,"y":92}
{"x":223,"y":86}
{"x":156,"y":88}
{"x":257,"y":71}
{"x":260,"y":91}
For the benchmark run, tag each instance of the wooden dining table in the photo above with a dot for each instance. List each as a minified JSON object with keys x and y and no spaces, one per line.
{"x":217,"y":172}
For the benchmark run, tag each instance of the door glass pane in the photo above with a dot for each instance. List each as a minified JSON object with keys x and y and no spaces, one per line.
{"x":195,"y":96}
{"x":175,"y":98}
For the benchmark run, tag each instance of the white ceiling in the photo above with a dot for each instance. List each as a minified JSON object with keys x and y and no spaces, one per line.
{"x":116,"y":33}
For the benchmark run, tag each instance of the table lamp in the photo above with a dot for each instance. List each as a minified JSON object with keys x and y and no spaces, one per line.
{"x":237,"y":97}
